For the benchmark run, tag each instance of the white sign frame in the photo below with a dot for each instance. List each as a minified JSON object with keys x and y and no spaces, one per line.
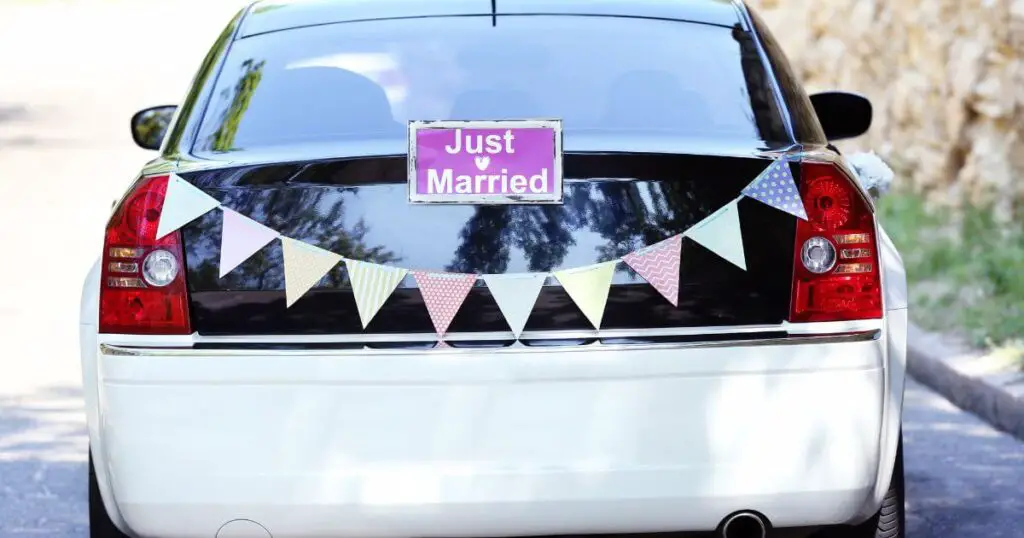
{"x":555,"y":198}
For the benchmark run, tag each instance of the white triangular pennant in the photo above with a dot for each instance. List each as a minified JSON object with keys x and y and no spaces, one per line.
{"x":515,"y":294}
{"x":304,"y":266}
{"x":372,"y":284}
{"x":720,"y":233}
{"x":588,"y":287}
{"x":241,"y":237}
{"x":183,"y":204}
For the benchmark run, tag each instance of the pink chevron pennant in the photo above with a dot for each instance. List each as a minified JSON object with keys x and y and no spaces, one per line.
{"x":443,"y":293}
{"x":658,"y":264}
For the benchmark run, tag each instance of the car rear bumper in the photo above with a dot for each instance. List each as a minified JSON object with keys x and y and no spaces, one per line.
{"x":515,"y":441}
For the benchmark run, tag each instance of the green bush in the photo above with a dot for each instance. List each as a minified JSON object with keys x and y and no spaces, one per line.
{"x":964,"y":269}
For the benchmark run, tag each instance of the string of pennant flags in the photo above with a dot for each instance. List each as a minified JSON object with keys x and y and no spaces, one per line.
{"x":515,"y":293}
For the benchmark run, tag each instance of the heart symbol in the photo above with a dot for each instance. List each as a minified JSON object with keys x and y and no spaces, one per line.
{"x":482,"y":162}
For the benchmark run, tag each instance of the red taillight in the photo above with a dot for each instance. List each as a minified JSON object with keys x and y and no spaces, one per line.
{"x":143,"y":282}
{"x":835,"y":265}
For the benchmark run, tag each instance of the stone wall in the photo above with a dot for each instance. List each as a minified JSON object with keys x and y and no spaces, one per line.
{"x":946,"y":78}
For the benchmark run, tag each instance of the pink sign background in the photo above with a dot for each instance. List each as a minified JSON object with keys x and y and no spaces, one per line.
{"x":535,"y":150}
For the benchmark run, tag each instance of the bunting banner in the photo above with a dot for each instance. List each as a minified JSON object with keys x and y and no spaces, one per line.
{"x":183,"y":203}
{"x":515,"y":293}
{"x":304,"y":266}
{"x":588,"y":287}
{"x":443,"y":293}
{"x":775,"y":186}
{"x":658,"y":264}
{"x":241,"y":237}
{"x":720,"y":233}
{"x":372,"y":284}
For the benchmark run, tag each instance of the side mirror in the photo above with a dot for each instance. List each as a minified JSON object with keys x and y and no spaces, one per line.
{"x":842,"y":114}
{"x":150,"y":125}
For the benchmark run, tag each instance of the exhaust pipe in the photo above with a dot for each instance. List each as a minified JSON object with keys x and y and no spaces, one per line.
{"x":744,"y":525}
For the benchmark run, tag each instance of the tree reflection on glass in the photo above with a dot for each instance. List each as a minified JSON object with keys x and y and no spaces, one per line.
{"x":151,"y":125}
{"x":313,"y":214}
{"x":767,"y":116}
{"x":627,"y":215}
{"x":223,"y":139}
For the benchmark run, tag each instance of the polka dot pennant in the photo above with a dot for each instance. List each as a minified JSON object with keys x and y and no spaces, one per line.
{"x":443,"y":293}
{"x":775,"y":187}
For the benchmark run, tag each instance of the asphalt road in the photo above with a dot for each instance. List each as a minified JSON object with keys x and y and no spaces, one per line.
{"x":71,"y":74}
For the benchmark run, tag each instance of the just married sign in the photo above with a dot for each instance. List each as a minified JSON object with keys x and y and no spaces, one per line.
{"x":485,"y":162}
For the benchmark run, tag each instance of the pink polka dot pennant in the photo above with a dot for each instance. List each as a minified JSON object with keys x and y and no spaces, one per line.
{"x":443,"y":293}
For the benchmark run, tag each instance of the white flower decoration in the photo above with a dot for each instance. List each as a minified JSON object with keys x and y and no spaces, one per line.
{"x":871,"y":170}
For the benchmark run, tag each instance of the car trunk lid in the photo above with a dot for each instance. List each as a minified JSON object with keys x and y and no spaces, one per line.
{"x":614,"y":203}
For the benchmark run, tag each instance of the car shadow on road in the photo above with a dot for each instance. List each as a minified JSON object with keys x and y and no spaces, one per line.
{"x":13,"y":114}
{"x":12,"y":135}
{"x":9,"y":112}
{"x":43,"y":454}
{"x":963,"y":478}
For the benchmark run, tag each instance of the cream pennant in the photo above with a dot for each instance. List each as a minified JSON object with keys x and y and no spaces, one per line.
{"x":241,"y":237}
{"x":658,"y":264}
{"x":588,"y":287}
{"x":304,"y":266}
{"x":183,"y":203}
{"x":443,"y":293}
{"x":515,"y":294}
{"x":372,"y":284}
{"x":720,"y":233}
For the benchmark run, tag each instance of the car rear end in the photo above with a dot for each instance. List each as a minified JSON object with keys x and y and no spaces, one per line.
{"x":766,"y":389}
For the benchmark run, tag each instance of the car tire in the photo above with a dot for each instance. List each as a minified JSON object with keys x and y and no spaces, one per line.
{"x":890,"y":521}
{"x":100,"y":525}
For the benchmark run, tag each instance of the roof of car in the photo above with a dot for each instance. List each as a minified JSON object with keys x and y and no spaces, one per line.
{"x":273,"y":15}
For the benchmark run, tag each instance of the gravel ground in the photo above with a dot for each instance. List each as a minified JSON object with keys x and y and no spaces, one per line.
{"x":71,"y":74}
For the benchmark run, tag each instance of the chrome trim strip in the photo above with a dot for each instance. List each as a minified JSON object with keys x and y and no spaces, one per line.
{"x":789,"y":328}
{"x":149,"y":351}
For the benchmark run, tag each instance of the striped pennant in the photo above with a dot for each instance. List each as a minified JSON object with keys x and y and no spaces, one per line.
{"x":372,"y":284}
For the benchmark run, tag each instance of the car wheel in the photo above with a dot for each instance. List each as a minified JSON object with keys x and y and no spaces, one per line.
{"x":100,"y":525}
{"x":890,"y":521}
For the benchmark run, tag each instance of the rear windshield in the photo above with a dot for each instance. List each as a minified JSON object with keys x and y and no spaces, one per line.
{"x":612,"y":76}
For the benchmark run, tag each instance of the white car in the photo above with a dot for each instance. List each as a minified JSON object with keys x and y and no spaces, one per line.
{"x":254,"y":398}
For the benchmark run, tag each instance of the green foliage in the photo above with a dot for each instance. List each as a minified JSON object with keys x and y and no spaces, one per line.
{"x":224,"y":138}
{"x":266,"y":6}
{"x":965,"y":270}
{"x":153,"y":125}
